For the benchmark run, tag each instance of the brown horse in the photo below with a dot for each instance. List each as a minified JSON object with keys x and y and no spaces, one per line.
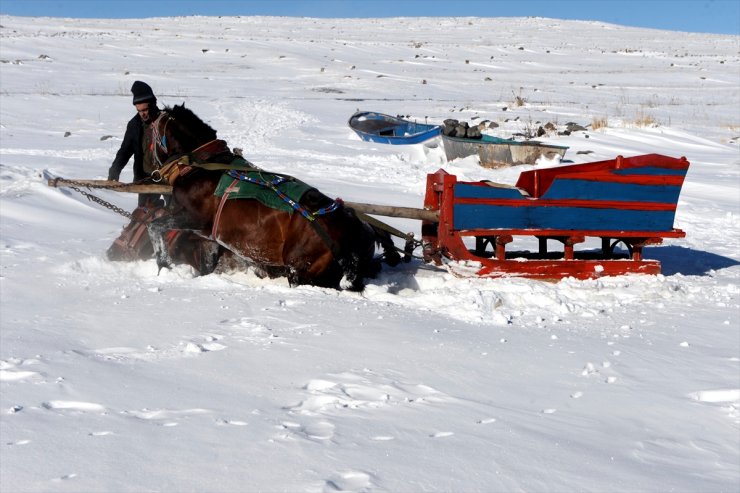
{"x":320,"y":242}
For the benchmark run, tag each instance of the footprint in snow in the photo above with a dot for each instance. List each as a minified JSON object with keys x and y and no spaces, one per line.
{"x":728,"y":399}
{"x":348,"y":481}
{"x":353,"y":391}
{"x":165,"y":417}
{"x":66,"y":477}
{"x":74,"y":406}
{"x":348,"y":391}
{"x":150,"y":353}
{"x":100,"y":433}
{"x":230,"y":422}
{"x":15,"y":376}
{"x":195,"y":348}
{"x":382,"y":438}
{"x":441,"y":434}
{"x":589,"y":369}
{"x":314,"y":431}
{"x":20,"y":442}
{"x":9,"y":371}
{"x":717,"y":396}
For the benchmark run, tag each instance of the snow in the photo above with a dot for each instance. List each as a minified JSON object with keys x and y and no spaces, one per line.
{"x":116,"y":378}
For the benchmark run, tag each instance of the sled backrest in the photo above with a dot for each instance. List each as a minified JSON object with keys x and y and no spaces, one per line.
{"x":649,"y":170}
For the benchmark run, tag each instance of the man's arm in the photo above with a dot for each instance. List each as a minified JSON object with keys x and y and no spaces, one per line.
{"x":124,"y":153}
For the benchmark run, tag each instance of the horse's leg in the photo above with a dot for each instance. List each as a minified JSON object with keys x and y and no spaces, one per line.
{"x":158,"y":230}
{"x":359,"y":260}
{"x":133,"y":242}
{"x":322,"y":272}
{"x":194,"y":249}
{"x":336,"y":251}
{"x":210,"y":251}
{"x":390,"y":252}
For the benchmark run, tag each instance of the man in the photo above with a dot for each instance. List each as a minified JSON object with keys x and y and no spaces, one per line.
{"x":137,"y":142}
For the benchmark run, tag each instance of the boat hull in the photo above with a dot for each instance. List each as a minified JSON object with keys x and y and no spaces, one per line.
{"x":386,"y":129}
{"x":496,"y":153}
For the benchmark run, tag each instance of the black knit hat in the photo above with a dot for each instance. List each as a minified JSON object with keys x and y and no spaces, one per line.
{"x":142,"y":92}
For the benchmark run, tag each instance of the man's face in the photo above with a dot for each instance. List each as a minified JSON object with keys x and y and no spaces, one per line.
{"x":143,"y":110}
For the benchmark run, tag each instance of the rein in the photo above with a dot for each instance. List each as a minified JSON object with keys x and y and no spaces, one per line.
{"x":160,"y":139}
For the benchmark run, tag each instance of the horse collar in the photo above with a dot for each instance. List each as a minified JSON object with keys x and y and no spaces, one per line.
{"x":210,"y":149}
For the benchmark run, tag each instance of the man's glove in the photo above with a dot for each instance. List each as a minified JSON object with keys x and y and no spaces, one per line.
{"x":113,"y":175}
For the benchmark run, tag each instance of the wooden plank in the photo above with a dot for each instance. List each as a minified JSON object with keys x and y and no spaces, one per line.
{"x":476,"y":216}
{"x":111,"y":185}
{"x":393,"y":211}
{"x":374,"y":209}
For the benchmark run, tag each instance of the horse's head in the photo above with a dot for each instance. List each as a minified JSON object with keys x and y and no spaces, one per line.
{"x":179,"y":131}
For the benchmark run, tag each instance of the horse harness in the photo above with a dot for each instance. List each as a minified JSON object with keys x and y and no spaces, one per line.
{"x":273,"y":185}
{"x":178,"y":166}
{"x":159,"y":140}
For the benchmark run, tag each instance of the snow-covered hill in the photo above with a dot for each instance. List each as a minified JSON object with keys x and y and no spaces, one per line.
{"x":114,"y":378}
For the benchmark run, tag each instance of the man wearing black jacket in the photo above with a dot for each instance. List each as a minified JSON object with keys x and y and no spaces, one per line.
{"x":137,"y":140}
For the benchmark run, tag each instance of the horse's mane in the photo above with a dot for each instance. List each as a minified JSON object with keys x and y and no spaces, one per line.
{"x":191,"y":121}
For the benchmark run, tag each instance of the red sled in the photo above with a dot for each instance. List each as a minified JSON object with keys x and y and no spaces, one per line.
{"x":631,"y":201}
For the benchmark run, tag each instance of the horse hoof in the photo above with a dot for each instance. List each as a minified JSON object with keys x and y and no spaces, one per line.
{"x":393,"y":258}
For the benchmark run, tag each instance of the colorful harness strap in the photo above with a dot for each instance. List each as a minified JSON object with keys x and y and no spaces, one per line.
{"x":224,"y":198}
{"x":273,"y":185}
{"x":159,"y":139}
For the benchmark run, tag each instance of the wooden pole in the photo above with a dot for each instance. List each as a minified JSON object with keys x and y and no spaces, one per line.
{"x":393,"y":211}
{"x":114,"y":186}
{"x":375,"y":209}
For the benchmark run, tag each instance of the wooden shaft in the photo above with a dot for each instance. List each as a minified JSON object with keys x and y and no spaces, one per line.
{"x":393,"y":211}
{"x":112,"y":185}
{"x":375,"y":209}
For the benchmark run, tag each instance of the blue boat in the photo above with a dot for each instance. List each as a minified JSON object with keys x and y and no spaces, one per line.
{"x":386,"y":129}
